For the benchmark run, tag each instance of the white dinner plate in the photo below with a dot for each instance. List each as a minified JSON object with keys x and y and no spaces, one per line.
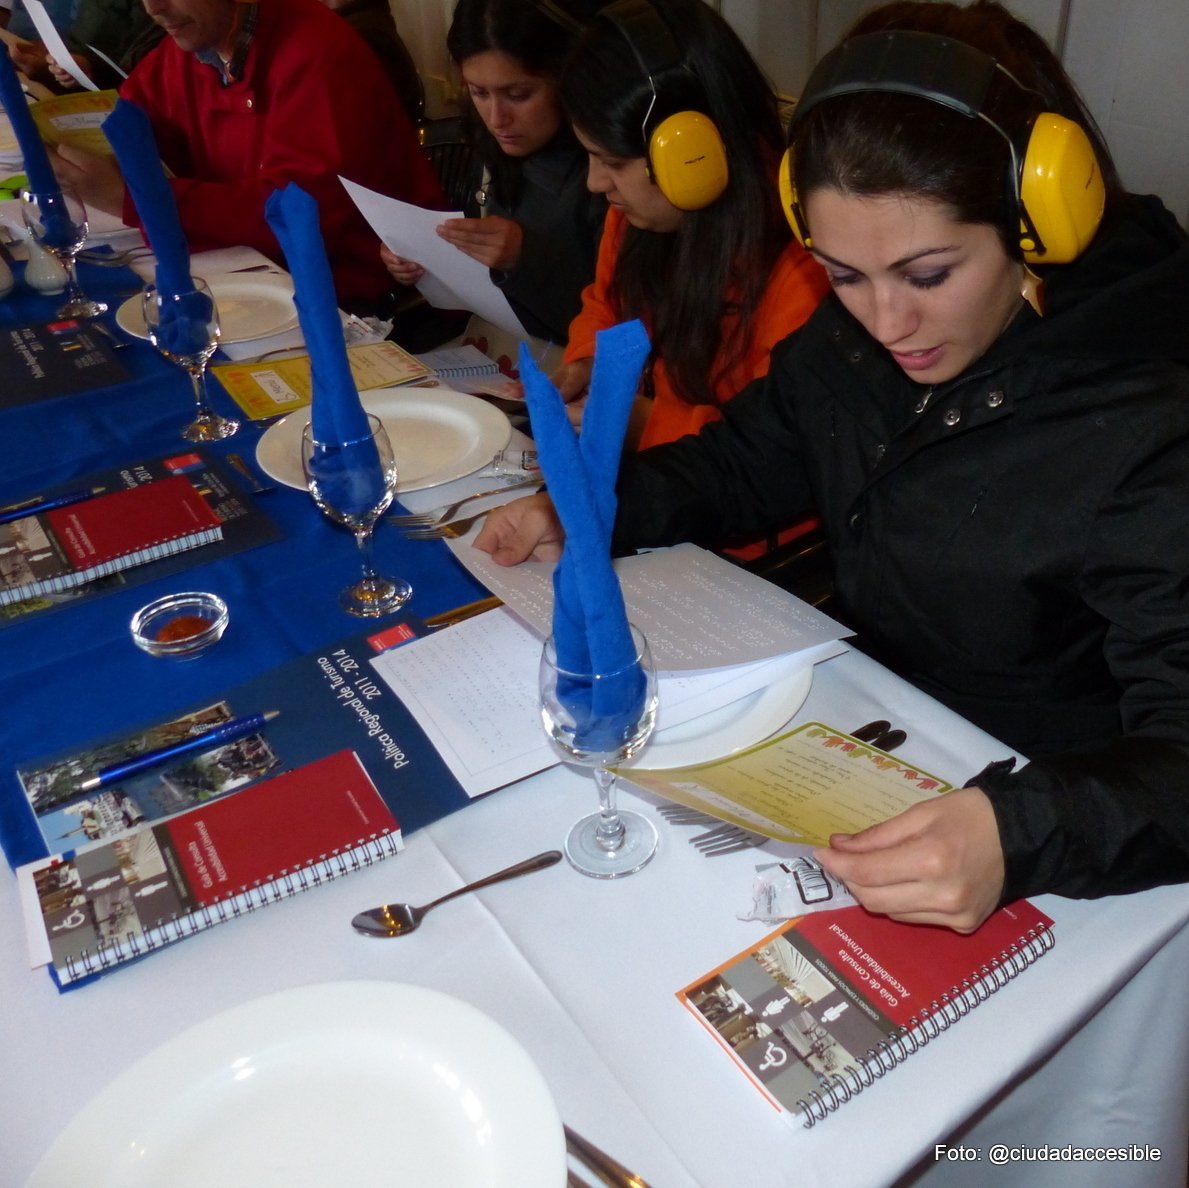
{"x":437,"y":435}
{"x":357,"y":1083}
{"x":250,"y":307}
{"x":730,"y":729}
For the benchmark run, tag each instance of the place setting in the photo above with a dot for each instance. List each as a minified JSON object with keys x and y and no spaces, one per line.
{"x":438,"y":435}
{"x":250,"y":308}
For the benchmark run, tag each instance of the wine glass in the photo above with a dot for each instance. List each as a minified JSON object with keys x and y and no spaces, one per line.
{"x":597,"y":720}
{"x":184,"y":327}
{"x":353,"y":482}
{"x":57,"y":220}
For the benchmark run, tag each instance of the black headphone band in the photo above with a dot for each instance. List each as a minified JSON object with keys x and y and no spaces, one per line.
{"x":929,"y":66}
{"x":560,"y":16}
{"x":940,"y":69}
{"x":644,"y":29}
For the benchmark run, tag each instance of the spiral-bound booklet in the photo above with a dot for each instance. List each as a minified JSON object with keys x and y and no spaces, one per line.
{"x":46,"y":552}
{"x":92,"y":909}
{"x":822,"y":1007}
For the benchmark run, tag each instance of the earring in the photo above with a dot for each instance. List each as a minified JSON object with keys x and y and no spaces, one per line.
{"x":1032,"y":290}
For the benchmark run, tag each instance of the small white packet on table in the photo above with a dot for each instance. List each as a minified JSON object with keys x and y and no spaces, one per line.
{"x":794,"y":886}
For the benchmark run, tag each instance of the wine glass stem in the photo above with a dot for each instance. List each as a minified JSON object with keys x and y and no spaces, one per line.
{"x":198,"y":383}
{"x":363,"y":538}
{"x":610,"y":831}
{"x":74,"y":292}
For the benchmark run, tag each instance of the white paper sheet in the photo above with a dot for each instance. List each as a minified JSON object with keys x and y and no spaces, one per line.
{"x":474,"y":690}
{"x":452,"y":279}
{"x":696,"y":610}
{"x":55,"y":46}
{"x":114,"y":66}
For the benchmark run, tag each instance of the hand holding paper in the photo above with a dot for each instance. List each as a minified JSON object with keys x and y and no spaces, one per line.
{"x":55,"y":46}
{"x":451,"y":279}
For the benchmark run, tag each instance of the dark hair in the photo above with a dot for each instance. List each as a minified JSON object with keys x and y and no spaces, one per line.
{"x":872,"y":143}
{"x":680,"y":281}
{"x":539,"y":40}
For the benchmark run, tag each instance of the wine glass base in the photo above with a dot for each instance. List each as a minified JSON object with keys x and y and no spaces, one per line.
{"x":86,"y":308}
{"x":586,"y":855}
{"x":375,"y":597}
{"x":210,"y":428}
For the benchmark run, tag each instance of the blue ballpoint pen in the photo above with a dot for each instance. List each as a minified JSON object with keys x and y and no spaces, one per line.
{"x":205,"y":740}
{"x":42,"y":503}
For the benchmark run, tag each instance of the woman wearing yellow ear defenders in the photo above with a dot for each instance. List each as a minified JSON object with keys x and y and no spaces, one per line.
{"x":695,"y":243}
{"x":1005,"y":495}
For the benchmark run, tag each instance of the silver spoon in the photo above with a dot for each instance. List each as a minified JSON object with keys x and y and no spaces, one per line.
{"x":396,"y":919}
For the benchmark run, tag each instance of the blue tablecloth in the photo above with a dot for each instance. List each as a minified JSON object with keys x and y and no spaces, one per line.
{"x":73,"y":673}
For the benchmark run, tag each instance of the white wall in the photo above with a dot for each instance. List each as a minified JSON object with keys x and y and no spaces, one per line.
{"x":1127,"y":56}
{"x":422,"y":25}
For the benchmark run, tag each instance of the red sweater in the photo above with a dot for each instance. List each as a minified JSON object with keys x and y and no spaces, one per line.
{"x":313,"y":103}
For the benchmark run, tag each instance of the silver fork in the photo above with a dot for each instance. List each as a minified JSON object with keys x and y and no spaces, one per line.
{"x":726,"y":839}
{"x":437,"y":517}
{"x":730,"y":842}
{"x":113,"y":259}
{"x":441,"y":531}
{"x":721,"y":838}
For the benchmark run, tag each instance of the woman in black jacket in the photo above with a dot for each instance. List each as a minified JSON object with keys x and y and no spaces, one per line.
{"x":1006,"y":494}
{"x":533,"y":222}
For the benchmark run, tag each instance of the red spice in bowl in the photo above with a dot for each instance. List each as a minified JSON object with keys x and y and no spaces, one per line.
{"x":180,"y":625}
{"x":183,"y":627}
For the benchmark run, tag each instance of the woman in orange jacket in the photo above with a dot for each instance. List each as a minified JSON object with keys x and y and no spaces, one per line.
{"x":684,"y":137}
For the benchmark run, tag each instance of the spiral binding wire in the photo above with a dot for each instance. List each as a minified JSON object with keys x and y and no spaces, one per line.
{"x":924,"y":1026}
{"x":284,"y":884}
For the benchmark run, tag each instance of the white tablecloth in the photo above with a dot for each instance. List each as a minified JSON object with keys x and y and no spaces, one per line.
{"x":1089,"y":1047}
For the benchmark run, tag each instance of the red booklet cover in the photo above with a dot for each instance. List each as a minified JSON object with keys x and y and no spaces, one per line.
{"x":112,"y":901}
{"x":67,"y":546}
{"x":817,"y":1010}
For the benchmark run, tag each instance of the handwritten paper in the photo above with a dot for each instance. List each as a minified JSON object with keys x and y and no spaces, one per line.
{"x":474,"y":691}
{"x":696,"y":610}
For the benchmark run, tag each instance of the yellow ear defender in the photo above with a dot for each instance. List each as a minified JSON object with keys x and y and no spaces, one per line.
{"x":688,"y":160}
{"x":789,"y":202}
{"x":1061,"y":190}
{"x":685,"y":153}
{"x":1056,"y":180}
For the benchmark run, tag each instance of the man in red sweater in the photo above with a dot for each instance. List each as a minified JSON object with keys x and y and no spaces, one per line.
{"x":246,"y":97}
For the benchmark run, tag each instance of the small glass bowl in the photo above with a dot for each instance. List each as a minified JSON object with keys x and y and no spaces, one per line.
{"x":180,"y":625}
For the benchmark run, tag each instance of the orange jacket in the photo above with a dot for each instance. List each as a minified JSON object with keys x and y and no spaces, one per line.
{"x":796,"y":285}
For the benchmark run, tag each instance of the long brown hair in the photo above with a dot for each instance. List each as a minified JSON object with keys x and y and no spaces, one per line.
{"x":679,"y":282}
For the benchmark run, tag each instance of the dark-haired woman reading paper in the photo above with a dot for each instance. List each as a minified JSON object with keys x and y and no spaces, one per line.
{"x":532,"y":220}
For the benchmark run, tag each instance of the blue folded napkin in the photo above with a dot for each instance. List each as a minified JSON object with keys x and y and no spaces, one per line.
{"x":590,"y":624}
{"x":131,"y":135}
{"x":59,"y":227}
{"x":337,"y":417}
{"x":12,"y":99}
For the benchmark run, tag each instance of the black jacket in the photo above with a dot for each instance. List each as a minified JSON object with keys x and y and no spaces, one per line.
{"x":562,"y":222}
{"x":1015,"y":542}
